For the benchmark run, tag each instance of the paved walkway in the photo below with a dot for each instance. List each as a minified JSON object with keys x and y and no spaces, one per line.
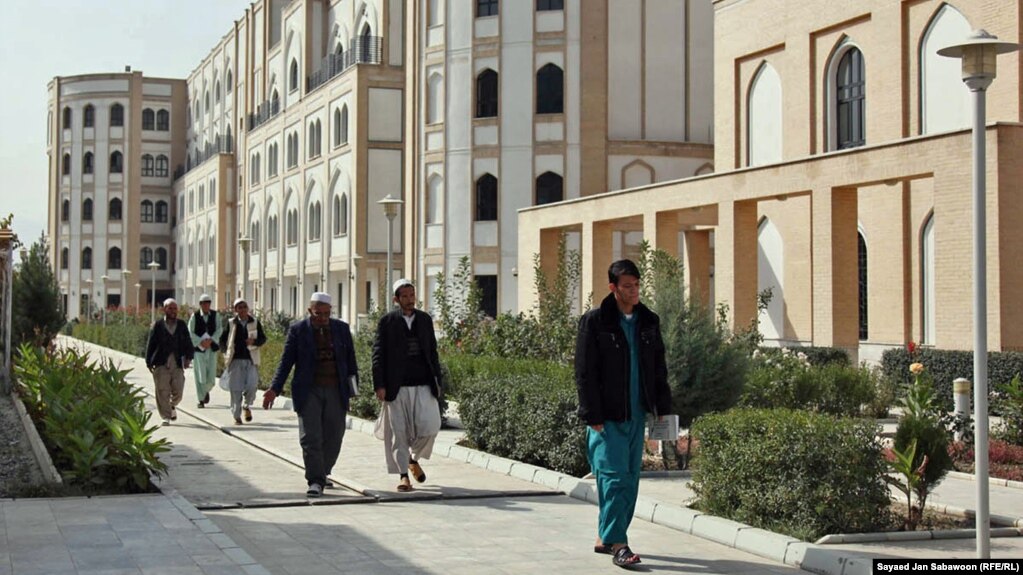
{"x":476,"y":513}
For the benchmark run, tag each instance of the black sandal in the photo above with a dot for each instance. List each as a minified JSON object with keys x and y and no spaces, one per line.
{"x":624,"y":557}
{"x":604,"y":549}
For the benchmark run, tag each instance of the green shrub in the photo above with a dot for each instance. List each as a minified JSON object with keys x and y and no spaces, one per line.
{"x":794,"y":472}
{"x":529,"y":418}
{"x":125,"y":337}
{"x":1009,"y":403}
{"x":93,"y":421}
{"x":945,"y":366}
{"x":823,"y":355}
{"x":785,"y":378}
{"x":462,"y":369}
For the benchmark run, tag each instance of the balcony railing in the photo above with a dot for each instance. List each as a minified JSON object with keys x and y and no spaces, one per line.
{"x":220,"y":145}
{"x":264,"y":112}
{"x":361,"y":50}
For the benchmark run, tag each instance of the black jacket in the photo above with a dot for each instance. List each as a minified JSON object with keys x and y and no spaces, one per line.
{"x":162,"y":343}
{"x":391,"y":346}
{"x":300,"y":352}
{"x":602,"y":364}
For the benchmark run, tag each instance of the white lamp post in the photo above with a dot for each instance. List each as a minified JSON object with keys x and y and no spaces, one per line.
{"x":88,"y":300}
{"x":245,"y":242}
{"x":103,"y":298}
{"x":138,"y":297}
{"x":979,"y":54}
{"x":125,"y":274}
{"x":391,"y":206}
{"x":153,"y":266}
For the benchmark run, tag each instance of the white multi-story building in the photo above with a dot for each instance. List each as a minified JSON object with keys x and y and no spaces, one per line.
{"x":307,"y":113}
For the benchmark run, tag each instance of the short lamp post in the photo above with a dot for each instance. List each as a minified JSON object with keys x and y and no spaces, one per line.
{"x":125,"y":275}
{"x":244,"y":242}
{"x":138,"y":297}
{"x":88,"y":300}
{"x":153,"y":266}
{"x":391,"y":206}
{"x":979,"y":54}
{"x":103,"y":298}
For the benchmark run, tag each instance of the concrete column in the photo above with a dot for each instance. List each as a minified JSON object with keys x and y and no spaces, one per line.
{"x":549,"y":240}
{"x":697,"y":264}
{"x":662,"y":229}
{"x":835,"y":280}
{"x":735,"y":260}
{"x":601,"y":250}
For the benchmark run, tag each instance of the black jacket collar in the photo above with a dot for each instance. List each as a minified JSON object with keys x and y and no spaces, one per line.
{"x":610,"y":314}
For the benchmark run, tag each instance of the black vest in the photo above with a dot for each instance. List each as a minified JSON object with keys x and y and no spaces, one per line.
{"x":202,"y":327}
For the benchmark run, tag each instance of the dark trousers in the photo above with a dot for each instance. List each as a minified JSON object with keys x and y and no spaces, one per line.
{"x":321,"y":427}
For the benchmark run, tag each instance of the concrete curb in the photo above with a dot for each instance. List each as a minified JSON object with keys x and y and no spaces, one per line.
{"x":992,"y":480}
{"x":42,"y":456}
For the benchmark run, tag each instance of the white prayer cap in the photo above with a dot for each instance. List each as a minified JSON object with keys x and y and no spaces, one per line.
{"x":400,"y":284}
{"x":169,"y":301}
{"x":239,"y":301}
{"x":205,"y":297}
{"x":320,"y":297}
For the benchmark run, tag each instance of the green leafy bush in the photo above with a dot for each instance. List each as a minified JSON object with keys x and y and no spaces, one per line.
{"x":92,"y":420}
{"x":125,"y":337}
{"x":529,"y":418}
{"x":1009,"y":403}
{"x":818,"y":355}
{"x":945,"y":366}
{"x":794,"y":472}
{"x":462,"y":369}
{"x":786,"y":378}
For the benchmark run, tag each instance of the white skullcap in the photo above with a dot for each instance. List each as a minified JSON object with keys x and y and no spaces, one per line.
{"x":205,"y":297}
{"x":238,"y":301}
{"x":400,"y":284}
{"x":169,"y":301}
{"x":320,"y":297}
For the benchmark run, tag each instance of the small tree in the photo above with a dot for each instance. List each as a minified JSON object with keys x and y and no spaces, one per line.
{"x":36,"y":316}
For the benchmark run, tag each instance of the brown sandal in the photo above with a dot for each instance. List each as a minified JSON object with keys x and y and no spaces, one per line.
{"x":405,"y":486}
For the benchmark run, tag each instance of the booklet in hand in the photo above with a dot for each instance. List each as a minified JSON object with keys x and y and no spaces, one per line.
{"x":663,"y":429}
{"x":353,"y":385}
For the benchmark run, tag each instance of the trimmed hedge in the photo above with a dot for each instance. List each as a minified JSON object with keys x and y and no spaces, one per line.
{"x":529,"y":418}
{"x":793,"y":472}
{"x":945,"y":365}
{"x":461,"y":369}
{"x":820,"y":356}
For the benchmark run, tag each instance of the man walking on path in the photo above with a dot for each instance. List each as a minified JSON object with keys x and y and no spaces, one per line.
{"x":205,"y":329}
{"x":323,"y":354}
{"x":240,"y":343}
{"x":406,"y":377}
{"x":621,"y":375}
{"x":169,"y":352}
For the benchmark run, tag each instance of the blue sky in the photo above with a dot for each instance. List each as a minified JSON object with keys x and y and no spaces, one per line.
{"x":40,"y":39}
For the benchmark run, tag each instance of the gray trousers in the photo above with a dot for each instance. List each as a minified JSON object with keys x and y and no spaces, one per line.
{"x":170,"y":383}
{"x":321,"y":428}
{"x":243,"y":379}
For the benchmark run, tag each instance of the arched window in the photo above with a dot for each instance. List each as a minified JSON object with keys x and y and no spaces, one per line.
{"x":315,"y":215}
{"x":291,"y":228}
{"x":211,"y":245}
{"x":87,"y":163}
{"x":213,"y":191}
{"x":162,"y":166}
{"x":89,"y":116}
{"x":116,"y":162}
{"x":275,"y":102}
{"x":927,"y":283}
{"x":771,"y":276}
{"x":65,"y":210}
{"x":486,"y":198}
{"x":862,"y":253}
{"x":116,"y":115}
{"x":293,"y":76}
{"x":66,"y":118}
{"x":114,"y":209}
{"x":65,"y":165}
{"x":63,"y":258}
{"x":86,"y":258}
{"x":145,"y":256}
{"x":163,"y":120}
{"x":344,"y":124}
{"x":87,"y":210}
{"x":271,"y":160}
{"x":550,"y":90}
{"x":161,"y":212}
{"x":206,"y":100}
{"x":764,"y":124}
{"x":311,"y":148}
{"x":114,"y":258}
{"x":486,"y":94}
{"x":337,"y":128}
{"x":549,"y":188}
{"x":254,"y":235}
{"x":148,"y":119}
{"x":944,"y":104}
{"x":272,"y":231}
{"x":148,"y":166}
{"x":216,"y":92}
{"x":340,"y":215}
{"x":850,"y":99}
{"x":228,"y":81}
{"x":146,"y":211}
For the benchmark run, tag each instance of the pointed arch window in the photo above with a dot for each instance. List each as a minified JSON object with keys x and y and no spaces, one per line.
{"x":146,"y":211}
{"x":87,"y":258}
{"x":293,"y":76}
{"x":116,"y":162}
{"x":340,"y":214}
{"x":145,"y":256}
{"x":764,"y":117}
{"x":315,"y":217}
{"x":89,"y":116}
{"x":851,"y":100}
{"x":254,"y":235}
{"x":163,"y":121}
{"x":66,"y":118}
{"x":486,"y":198}
{"x":114,"y":209}
{"x":486,"y":94}
{"x":65,"y":165}
{"x":228,"y":81}
{"x":549,"y":188}
{"x":861,"y":245}
{"x":116,"y":115}
{"x":344,"y":124}
{"x":148,"y":165}
{"x":148,"y":119}
{"x":63,"y":258}
{"x":65,"y":210}
{"x":87,"y":163}
{"x":161,"y":212}
{"x":550,"y":90}
{"x":87,"y":210}
{"x":162,"y":166}
{"x":114,"y":258}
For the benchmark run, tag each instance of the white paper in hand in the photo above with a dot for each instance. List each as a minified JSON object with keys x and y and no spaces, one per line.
{"x":663,"y":429}
{"x":353,"y":385}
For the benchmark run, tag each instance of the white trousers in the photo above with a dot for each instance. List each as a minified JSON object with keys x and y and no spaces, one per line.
{"x":411,"y":424}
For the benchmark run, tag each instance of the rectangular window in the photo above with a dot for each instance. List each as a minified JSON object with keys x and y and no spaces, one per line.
{"x":488,"y":287}
{"x":542,"y":5}
{"x":486,"y":8}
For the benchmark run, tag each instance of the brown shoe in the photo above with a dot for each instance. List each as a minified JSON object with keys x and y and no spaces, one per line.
{"x":416,"y":470}
{"x":405,"y":486}
{"x":237,"y":421}
{"x":248,"y":413}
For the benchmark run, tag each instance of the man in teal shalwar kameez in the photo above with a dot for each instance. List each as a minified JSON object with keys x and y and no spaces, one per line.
{"x":621,"y":376}
{"x":204,"y":327}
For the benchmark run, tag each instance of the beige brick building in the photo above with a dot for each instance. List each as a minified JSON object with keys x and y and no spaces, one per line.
{"x":843,"y":160}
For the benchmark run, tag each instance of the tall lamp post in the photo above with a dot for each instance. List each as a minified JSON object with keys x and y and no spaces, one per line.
{"x":103,"y":298}
{"x":245,"y":242}
{"x":153,"y":266}
{"x":391,"y":206}
{"x":979,"y":54}
{"x":88,"y":300}
{"x":125,"y":274}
